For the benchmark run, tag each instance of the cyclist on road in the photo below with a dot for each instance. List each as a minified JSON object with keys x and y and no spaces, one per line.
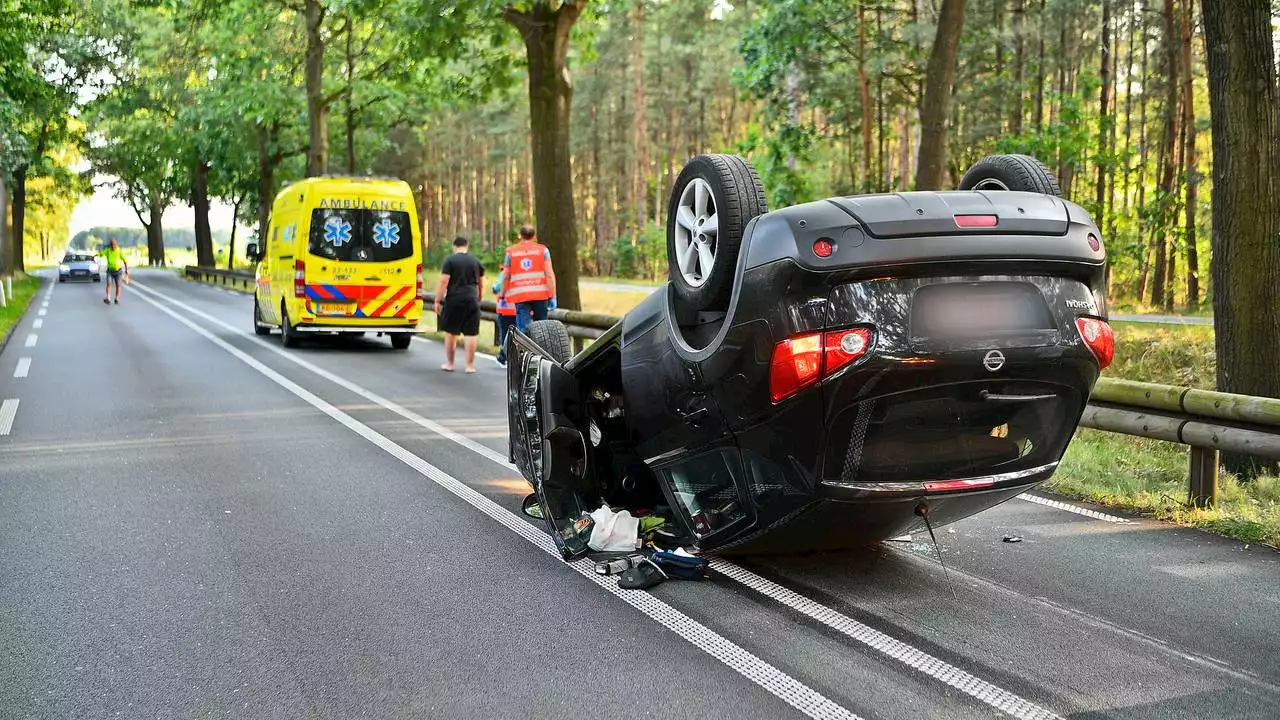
{"x":116,"y":265}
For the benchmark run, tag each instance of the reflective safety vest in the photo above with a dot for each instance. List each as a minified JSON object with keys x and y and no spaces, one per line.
{"x":527,"y":272}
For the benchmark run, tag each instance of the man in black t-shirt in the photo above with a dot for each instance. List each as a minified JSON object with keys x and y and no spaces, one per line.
{"x":458,"y":292}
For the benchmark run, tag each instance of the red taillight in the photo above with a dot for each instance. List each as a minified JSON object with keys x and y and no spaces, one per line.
{"x":823,"y":248}
{"x":299,"y":278}
{"x":843,"y":347}
{"x":1094,"y":243}
{"x":420,"y":282}
{"x":1100,"y":338}
{"x":976,"y":220}
{"x":945,"y":485}
{"x":802,"y":360}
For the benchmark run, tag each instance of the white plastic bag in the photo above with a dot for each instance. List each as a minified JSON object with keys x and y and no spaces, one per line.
{"x":613,"y":532}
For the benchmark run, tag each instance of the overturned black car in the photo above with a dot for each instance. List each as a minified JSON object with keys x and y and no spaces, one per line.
{"x":826,"y":374}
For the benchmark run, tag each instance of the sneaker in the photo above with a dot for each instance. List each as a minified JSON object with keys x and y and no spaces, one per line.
{"x":106,"y":301}
{"x":116,"y":301}
{"x":500,"y":360}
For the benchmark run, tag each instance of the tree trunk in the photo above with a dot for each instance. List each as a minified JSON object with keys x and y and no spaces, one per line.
{"x":935,"y":106}
{"x":546,"y":35}
{"x":317,"y":105}
{"x":1038,"y":111}
{"x":155,"y":235}
{"x":200,"y":204}
{"x":1015,"y":120}
{"x":350,"y":115}
{"x":1104,"y":120}
{"x":266,"y":183}
{"x":231,"y":245}
{"x":1191,"y":158}
{"x":639,"y":129}
{"x":17,"y":261}
{"x":1161,"y":294}
{"x":864,"y":83}
{"x":1245,"y":262}
{"x":1128,"y":108}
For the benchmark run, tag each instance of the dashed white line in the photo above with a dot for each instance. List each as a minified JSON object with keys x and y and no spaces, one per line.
{"x":1058,"y":504}
{"x":24,"y":367}
{"x":31,"y":340}
{"x":37,"y":324}
{"x":43,"y":312}
{"x":917,"y":659}
{"x":8,"y":411}
{"x":783,"y":686}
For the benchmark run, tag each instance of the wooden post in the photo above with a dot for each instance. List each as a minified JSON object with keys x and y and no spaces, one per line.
{"x":1204,"y":476}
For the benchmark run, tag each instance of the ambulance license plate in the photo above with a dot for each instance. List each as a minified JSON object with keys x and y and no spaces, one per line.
{"x":335,"y":308}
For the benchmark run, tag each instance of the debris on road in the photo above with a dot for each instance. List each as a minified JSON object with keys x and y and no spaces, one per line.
{"x":1012,"y":538}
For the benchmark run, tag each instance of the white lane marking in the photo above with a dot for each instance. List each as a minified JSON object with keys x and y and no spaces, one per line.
{"x":8,"y":411}
{"x":43,"y":312}
{"x":24,"y":367}
{"x":1059,"y":505}
{"x":31,"y":340}
{"x":917,"y":659}
{"x":785,"y":687}
{"x":979,"y":689}
{"x":37,"y":324}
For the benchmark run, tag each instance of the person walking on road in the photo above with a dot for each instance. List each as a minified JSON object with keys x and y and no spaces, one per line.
{"x":458,"y":293}
{"x":113,"y":256}
{"x":528,"y":280}
{"x":506,"y":319}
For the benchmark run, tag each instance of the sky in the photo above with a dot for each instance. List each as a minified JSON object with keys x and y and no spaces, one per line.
{"x":104,"y":208}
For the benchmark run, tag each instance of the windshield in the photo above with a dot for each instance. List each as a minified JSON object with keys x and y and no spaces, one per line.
{"x":363,"y":235}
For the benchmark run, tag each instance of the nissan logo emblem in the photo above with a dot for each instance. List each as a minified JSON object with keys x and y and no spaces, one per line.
{"x":993,"y":361}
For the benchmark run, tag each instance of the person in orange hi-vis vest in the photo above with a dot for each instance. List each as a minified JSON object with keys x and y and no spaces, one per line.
{"x":528,"y":281}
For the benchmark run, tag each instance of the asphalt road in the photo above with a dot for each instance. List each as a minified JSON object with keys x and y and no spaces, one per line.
{"x":195,"y":522}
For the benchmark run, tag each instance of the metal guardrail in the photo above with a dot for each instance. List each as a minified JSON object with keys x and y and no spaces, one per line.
{"x":1208,"y":422}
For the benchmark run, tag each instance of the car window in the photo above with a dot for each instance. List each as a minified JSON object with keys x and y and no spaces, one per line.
{"x":360,"y":235}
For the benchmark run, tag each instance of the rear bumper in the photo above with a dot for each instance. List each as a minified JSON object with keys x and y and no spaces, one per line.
{"x":312,"y":328}
{"x":828,"y":524}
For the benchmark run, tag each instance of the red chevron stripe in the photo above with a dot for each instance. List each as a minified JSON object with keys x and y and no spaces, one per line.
{"x":407,"y":307}
{"x":388,"y":303}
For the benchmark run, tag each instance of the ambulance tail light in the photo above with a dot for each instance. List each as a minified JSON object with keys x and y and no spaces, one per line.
{"x":420,"y":283}
{"x":299,"y":278}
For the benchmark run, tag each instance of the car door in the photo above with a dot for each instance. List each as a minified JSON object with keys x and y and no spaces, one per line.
{"x":547,"y":445}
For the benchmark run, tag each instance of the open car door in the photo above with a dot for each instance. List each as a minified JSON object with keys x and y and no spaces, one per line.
{"x":546,"y":445}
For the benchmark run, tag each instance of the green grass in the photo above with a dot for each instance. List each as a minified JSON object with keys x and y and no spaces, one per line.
{"x":1180,"y":355}
{"x":24,"y":288}
{"x":1149,"y":477}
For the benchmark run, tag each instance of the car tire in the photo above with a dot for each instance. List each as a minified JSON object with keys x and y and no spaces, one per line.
{"x":258,"y":327}
{"x":553,"y":337}
{"x":1020,"y":173}
{"x":288,"y":336}
{"x":400,"y":341}
{"x":702,"y":261}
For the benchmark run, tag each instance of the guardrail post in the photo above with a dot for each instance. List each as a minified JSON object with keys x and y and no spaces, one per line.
{"x":1204,"y":476}
{"x":3,"y":302}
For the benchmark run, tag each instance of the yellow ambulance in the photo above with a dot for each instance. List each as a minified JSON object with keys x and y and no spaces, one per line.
{"x":343,"y":255}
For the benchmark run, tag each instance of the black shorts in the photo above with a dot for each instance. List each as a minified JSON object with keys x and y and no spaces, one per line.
{"x":460,"y":318}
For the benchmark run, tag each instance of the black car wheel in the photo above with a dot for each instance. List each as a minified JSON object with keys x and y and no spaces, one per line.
{"x":258,"y":327}
{"x":714,"y":198}
{"x":400,"y":341}
{"x":288,"y":336}
{"x":1021,"y":173}
{"x":553,"y":337}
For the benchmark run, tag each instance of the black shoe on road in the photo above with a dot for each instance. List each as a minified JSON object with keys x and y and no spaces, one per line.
{"x":117,"y":301}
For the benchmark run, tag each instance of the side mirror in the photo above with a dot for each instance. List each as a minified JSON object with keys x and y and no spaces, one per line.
{"x":532,"y":507}
{"x":251,"y":252}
